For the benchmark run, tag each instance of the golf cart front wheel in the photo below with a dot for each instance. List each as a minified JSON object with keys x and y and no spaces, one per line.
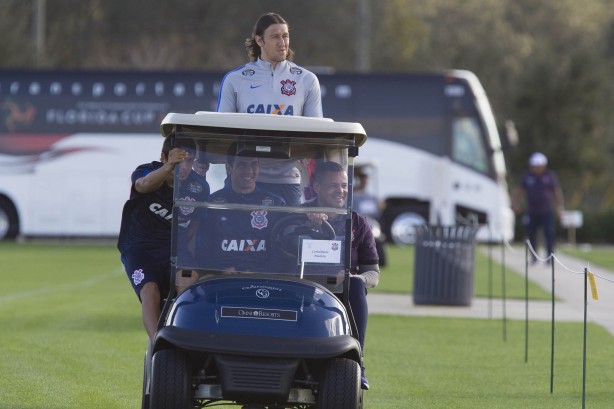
{"x":170,"y":381}
{"x":340,"y":385}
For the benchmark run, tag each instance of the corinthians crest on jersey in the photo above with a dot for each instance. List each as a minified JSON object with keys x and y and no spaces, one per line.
{"x":259,"y":219}
{"x":288,"y":87}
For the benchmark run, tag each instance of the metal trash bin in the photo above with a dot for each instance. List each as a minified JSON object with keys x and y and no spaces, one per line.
{"x":444,"y":265}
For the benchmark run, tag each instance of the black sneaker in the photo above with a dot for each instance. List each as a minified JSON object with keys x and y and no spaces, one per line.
{"x":364,"y":383}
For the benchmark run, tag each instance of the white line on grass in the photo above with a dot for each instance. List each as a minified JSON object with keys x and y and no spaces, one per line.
{"x":60,"y":288}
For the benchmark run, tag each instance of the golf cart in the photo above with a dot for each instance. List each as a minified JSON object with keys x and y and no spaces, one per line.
{"x":261,"y":320}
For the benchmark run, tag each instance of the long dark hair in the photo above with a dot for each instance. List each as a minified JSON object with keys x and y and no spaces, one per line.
{"x":266,"y":20}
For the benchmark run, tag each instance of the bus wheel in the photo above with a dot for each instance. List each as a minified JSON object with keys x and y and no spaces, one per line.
{"x":9,"y":224}
{"x":402,"y":228}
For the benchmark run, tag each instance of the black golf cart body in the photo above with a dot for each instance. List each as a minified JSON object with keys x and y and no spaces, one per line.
{"x":263,"y":321}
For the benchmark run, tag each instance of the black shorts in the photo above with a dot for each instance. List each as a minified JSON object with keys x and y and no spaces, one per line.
{"x":142,"y":269}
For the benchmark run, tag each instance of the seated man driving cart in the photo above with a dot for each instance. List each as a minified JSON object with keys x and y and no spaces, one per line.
{"x":330,"y":184}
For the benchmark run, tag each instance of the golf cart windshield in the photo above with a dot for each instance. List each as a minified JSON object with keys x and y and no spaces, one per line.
{"x":262,"y":215}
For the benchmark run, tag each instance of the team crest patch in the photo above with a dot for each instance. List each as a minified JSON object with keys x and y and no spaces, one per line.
{"x":185,"y":210}
{"x":195,"y":187}
{"x":138,"y":276}
{"x":288,"y":87}
{"x":248,"y":73}
{"x":335,"y":246}
{"x":296,"y":71}
{"x":259,"y":220}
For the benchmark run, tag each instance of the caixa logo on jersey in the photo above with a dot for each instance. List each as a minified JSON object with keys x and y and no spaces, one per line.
{"x":243,"y":245}
{"x":159,"y":210}
{"x":273,"y":109}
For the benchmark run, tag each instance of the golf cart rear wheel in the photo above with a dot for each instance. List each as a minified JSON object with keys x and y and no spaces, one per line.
{"x":340,"y":385}
{"x":170,"y":381}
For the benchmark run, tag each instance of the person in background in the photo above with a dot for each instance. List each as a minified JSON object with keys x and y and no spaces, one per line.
{"x":541,"y":192}
{"x":330,"y":184}
{"x":272,"y":84}
{"x":145,"y":235}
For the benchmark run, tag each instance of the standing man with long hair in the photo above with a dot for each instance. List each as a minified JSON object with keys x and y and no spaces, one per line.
{"x":272,"y":84}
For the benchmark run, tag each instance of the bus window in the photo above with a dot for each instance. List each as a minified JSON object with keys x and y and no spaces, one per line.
{"x":467,"y":145}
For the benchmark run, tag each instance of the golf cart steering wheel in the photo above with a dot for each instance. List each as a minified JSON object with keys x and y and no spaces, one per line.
{"x":288,"y":229}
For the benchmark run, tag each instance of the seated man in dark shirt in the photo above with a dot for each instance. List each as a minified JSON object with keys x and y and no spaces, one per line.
{"x":234,"y":239}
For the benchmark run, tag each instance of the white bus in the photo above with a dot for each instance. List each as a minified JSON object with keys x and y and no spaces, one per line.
{"x":435,"y":143}
{"x":69,"y":141}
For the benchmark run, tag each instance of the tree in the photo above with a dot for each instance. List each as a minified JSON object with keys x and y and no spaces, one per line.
{"x":544,"y":64}
{"x":16,"y":34}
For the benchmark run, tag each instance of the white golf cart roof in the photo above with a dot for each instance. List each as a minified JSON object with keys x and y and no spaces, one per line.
{"x":294,"y":124}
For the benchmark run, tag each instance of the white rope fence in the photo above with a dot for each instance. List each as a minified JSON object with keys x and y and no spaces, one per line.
{"x":554,"y":257}
{"x":553,"y":260}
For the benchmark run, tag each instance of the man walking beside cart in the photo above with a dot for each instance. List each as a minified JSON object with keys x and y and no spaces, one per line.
{"x":145,"y":235}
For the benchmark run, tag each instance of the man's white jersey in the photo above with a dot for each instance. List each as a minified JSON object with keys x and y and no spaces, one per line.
{"x":258,"y":88}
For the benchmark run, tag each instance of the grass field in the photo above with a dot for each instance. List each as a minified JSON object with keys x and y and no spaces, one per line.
{"x":72,"y":338}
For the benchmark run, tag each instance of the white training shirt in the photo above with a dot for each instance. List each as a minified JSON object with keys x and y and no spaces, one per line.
{"x":258,"y":88}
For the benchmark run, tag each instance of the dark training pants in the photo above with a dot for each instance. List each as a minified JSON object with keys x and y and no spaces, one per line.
{"x":544,"y":221}
{"x":360,"y":309}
